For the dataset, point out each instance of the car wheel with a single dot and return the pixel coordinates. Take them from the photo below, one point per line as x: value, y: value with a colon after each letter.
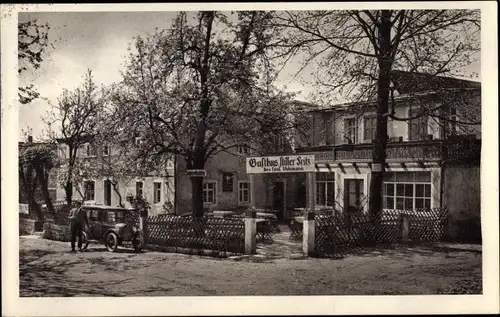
x: 111, y: 242
x: 85, y: 242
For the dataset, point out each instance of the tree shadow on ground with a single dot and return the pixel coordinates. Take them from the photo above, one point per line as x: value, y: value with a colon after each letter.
x: 400, y: 251
x: 30, y: 255
x: 119, y: 250
x: 44, y: 274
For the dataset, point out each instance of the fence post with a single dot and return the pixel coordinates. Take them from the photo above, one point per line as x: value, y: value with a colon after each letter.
x: 310, y: 191
x: 308, y: 235
x: 405, y: 228
x: 250, y: 231
x: 143, y: 225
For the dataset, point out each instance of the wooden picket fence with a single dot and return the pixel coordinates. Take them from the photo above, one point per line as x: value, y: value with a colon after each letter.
x: 221, y: 235
x: 338, y: 235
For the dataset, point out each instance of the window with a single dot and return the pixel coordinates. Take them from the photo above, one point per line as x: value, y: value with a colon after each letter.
x: 418, y: 126
x: 244, y: 192
x: 369, y: 128
x: 93, y: 214
x: 107, y: 192
x: 62, y: 152
x: 157, y: 193
x: 91, y: 150
x: 209, y: 190
x: 452, y: 129
x: 325, y: 189
x: 89, y: 190
x: 139, y: 186
x: 353, y: 195
x: 106, y: 150
x: 227, y: 182
x: 407, y: 190
x: 138, y: 140
x: 351, y: 130
x: 280, y: 143
x: 243, y: 149
x: 120, y: 216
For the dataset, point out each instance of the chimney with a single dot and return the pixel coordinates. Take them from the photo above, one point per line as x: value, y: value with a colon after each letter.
x: 30, y: 139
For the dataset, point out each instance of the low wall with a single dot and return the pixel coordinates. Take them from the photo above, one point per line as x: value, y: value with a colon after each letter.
x: 56, y: 232
x: 29, y: 226
x: 462, y: 197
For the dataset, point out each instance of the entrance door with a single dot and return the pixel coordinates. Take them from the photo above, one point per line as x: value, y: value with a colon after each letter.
x: 107, y: 193
x: 353, y: 193
x: 279, y: 199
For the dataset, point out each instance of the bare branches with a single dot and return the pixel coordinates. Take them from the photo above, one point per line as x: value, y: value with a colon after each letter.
x: 189, y: 90
x: 32, y: 43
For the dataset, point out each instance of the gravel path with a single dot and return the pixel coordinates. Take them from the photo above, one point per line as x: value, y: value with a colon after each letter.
x: 48, y: 269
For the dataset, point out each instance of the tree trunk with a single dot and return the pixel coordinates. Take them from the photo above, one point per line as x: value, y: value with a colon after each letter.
x: 32, y: 200
x: 36, y: 207
x: 44, y: 185
x: 68, y: 187
x: 197, y: 158
x: 197, y: 198
x: 381, y: 137
x: 117, y: 191
x: 28, y: 183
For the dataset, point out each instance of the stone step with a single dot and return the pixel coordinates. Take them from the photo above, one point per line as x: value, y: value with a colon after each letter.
x: 38, y: 233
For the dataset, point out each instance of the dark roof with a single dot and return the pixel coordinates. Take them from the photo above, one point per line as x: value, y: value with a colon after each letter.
x: 23, y: 144
x: 84, y: 138
x: 411, y: 82
x: 412, y: 85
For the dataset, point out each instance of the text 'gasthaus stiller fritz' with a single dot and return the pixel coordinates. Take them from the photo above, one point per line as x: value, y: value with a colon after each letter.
x: 280, y: 164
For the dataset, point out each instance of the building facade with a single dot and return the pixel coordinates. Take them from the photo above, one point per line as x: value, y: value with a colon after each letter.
x: 429, y: 158
x: 108, y: 189
x: 227, y: 186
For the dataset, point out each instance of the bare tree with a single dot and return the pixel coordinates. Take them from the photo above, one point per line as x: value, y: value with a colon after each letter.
x: 354, y: 53
x: 32, y: 43
x: 75, y: 119
x: 201, y: 87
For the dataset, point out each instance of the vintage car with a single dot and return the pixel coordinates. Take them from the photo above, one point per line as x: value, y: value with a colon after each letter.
x: 112, y: 226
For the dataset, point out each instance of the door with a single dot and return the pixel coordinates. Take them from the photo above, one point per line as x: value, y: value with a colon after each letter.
x: 107, y: 193
x: 353, y: 195
x: 279, y: 199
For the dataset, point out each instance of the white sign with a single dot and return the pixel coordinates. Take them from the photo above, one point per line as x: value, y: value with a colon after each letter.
x: 196, y: 173
x: 280, y: 164
x: 24, y: 209
x: 376, y: 167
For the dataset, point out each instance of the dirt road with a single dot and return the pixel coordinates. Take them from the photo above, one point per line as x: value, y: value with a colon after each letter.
x: 47, y: 269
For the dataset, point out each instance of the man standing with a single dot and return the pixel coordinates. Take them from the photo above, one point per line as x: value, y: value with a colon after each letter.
x: 78, y: 220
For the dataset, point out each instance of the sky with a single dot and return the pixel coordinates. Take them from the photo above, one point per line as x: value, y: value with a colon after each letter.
x: 99, y: 41
x: 90, y: 40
